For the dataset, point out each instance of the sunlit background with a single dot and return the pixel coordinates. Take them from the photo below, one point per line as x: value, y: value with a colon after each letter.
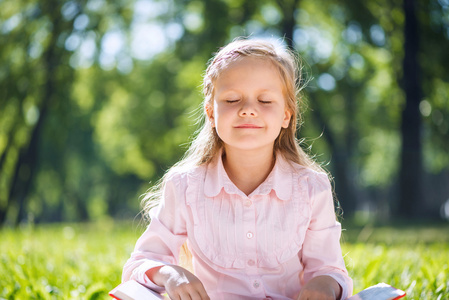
x: 98, y: 98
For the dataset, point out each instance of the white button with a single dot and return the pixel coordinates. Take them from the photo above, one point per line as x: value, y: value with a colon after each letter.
x: 251, y: 262
x: 256, y: 284
x: 249, y: 235
x: 248, y: 203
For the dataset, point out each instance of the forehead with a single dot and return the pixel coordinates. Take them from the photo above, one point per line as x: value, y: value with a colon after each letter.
x: 251, y: 62
x: 252, y: 71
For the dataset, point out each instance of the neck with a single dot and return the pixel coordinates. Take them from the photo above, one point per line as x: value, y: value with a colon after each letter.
x: 248, y: 169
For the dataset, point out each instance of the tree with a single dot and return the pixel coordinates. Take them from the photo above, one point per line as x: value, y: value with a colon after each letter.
x: 39, y: 95
x: 411, y: 170
x: 114, y: 84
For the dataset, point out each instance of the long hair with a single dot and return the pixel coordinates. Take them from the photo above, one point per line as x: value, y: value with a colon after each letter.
x: 207, y: 144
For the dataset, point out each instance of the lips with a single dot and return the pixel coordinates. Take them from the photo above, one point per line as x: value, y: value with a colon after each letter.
x: 248, y: 126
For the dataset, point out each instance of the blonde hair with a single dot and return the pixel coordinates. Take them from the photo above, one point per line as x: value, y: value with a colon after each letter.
x: 207, y: 144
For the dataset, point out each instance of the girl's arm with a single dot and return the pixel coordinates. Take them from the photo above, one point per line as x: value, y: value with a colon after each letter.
x: 321, y: 287
x: 321, y: 253
x: 178, y: 282
x: 160, y: 244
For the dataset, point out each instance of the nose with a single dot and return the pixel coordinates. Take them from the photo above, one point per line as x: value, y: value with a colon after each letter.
x: 248, y: 109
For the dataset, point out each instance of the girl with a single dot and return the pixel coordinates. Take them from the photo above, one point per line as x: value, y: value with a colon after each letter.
x: 257, y: 213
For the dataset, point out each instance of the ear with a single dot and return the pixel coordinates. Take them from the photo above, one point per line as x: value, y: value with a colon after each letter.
x: 210, y: 114
x: 287, y: 118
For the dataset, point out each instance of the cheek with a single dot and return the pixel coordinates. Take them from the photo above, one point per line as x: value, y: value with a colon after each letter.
x: 279, y: 115
x: 222, y: 112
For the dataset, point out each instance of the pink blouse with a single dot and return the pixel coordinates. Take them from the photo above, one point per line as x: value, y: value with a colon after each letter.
x: 265, y: 245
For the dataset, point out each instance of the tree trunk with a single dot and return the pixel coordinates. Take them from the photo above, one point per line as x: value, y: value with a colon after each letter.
x: 28, y: 157
x: 288, y: 21
x: 411, y: 202
x: 5, y: 207
x: 26, y: 169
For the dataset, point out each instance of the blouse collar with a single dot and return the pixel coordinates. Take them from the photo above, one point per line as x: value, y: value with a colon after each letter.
x: 280, y: 180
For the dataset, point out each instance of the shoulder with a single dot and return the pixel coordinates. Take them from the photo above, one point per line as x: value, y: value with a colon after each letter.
x: 313, y: 176
x: 315, y: 180
x: 316, y: 187
x: 184, y: 175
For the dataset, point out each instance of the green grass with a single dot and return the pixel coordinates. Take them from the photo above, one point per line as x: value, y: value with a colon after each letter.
x: 414, y: 258
x: 70, y: 261
x: 84, y: 261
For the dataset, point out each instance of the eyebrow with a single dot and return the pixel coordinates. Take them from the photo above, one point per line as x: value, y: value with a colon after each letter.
x: 237, y: 91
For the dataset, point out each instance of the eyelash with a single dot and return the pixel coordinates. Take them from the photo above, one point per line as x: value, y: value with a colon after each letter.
x: 261, y: 101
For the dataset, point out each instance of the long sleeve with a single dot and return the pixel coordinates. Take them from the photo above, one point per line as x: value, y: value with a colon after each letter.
x: 161, y: 242
x: 321, y: 253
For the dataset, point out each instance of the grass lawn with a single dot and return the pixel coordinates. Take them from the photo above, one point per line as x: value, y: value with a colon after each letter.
x: 413, y: 257
x: 84, y: 261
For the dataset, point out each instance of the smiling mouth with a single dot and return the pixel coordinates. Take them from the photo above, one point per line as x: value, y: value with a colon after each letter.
x: 248, y: 126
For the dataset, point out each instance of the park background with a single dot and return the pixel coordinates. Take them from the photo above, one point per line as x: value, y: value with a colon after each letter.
x: 98, y: 98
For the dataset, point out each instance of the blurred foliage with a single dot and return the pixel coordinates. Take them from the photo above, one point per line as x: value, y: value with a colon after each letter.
x: 99, y: 98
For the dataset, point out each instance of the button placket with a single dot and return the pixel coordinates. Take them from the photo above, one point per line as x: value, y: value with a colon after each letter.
x: 248, y: 233
x: 256, y: 284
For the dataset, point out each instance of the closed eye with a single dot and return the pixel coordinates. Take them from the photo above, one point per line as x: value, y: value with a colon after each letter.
x: 232, y: 101
x: 265, y: 102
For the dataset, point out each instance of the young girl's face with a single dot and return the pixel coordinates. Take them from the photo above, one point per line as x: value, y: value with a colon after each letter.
x: 249, y: 108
